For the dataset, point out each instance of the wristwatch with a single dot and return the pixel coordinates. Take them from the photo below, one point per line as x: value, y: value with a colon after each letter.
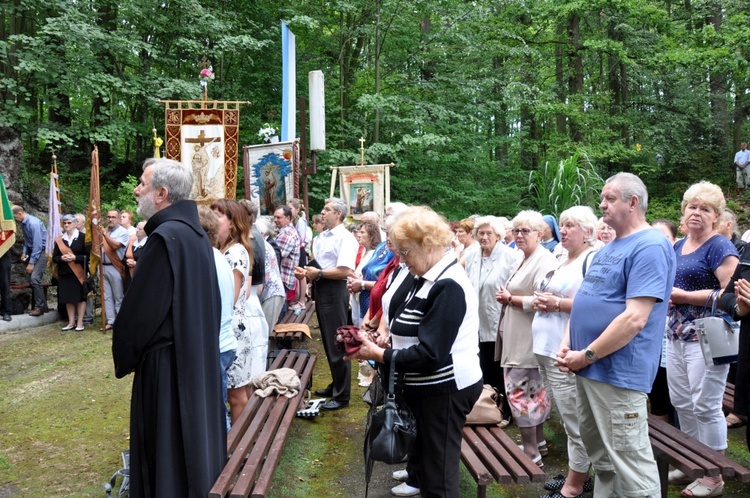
x: 590, y: 355
x: 320, y: 275
x: 557, y: 304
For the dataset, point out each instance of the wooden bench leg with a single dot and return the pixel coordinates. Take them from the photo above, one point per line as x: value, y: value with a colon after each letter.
x: 481, y: 491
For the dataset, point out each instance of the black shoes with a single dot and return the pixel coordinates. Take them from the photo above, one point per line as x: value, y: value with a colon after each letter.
x: 326, y: 393
x: 334, y: 405
x: 6, y: 317
x: 556, y: 484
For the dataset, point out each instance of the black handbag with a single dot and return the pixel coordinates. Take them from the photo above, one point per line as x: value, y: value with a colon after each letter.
x: 393, y: 429
x: 88, y: 284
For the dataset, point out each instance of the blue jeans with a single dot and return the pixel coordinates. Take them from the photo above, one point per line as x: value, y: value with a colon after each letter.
x: 226, y: 359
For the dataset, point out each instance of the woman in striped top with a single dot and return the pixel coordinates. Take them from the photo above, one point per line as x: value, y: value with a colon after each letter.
x: 435, y: 328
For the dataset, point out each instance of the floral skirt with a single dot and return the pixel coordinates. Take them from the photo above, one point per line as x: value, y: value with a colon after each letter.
x: 527, y: 396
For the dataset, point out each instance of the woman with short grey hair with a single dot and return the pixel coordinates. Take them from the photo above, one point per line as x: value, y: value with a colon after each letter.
x: 524, y: 386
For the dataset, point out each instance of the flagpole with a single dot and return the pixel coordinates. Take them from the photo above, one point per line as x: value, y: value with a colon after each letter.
x: 93, y: 221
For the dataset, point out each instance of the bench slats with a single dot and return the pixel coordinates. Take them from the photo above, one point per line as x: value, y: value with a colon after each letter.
x: 481, y: 449
x: 691, y: 448
x: 535, y: 473
x: 475, y: 466
x: 263, y: 482
x: 258, y: 436
x: 291, y: 317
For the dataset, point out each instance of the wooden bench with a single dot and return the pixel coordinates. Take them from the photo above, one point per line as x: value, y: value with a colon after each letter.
x: 292, y: 317
x: 26, y: 286
x: 491, y: 455
x: 256, y: 439
x: 673, y: 447
x: 728, y: 402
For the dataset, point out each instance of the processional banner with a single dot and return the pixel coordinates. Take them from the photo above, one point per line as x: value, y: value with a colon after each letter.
x: 203, y: 134
x: 273, y: 172
x: 7, y: 223
x: 363, y: 188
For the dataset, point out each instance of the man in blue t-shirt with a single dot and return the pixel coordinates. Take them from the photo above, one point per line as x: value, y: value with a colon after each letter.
x: 614, y: 341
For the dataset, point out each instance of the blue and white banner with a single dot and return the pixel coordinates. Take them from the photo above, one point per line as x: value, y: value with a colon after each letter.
x: 289, y: 85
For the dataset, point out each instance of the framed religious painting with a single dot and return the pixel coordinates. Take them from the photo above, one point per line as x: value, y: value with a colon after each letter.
x: 272, y: 173
x: 203, y: 136
x: 363, y: 188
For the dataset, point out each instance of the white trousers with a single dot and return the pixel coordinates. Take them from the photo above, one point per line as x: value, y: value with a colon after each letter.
x: 615, y: 432
x: 563, y: 388
x: 697, y: 391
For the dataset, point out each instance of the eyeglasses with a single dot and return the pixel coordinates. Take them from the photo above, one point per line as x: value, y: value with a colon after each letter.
x: 405, y: 253
x: 519, y: 231
x: 112, y: 217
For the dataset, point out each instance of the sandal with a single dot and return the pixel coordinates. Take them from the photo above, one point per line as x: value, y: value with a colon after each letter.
x: 107, y: 328
x: 704, y: 489
x: 733, y: 421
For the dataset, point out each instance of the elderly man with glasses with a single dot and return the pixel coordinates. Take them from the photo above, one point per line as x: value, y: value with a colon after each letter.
x: 114, y: 242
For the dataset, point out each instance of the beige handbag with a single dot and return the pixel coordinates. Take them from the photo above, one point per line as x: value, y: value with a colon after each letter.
x: 486, y: 410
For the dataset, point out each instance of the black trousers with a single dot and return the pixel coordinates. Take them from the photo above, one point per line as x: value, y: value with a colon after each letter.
x: 436, y: 455
x: 331, y: 306
x: 6, y: 306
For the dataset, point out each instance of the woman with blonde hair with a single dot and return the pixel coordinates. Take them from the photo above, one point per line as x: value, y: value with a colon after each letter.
x: 234, y: 230
x: 706, y: 261
x: 434, y: 328
x: 524, y: 385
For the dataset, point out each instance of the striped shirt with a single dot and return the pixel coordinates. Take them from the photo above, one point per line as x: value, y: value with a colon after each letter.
x: 436, y: 330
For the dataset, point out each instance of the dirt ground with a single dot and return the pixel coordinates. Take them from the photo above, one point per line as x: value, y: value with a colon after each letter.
x: 64, y: 422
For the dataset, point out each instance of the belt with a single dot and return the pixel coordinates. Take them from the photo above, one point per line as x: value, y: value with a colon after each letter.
x: 107, y: 264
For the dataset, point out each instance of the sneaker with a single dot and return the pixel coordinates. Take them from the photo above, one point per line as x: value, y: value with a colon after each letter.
x: 677, y: 476
x: 401, y: 475
x: 404, y: 489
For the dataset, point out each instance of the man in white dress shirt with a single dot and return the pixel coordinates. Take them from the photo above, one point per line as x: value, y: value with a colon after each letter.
x: 335, y: 252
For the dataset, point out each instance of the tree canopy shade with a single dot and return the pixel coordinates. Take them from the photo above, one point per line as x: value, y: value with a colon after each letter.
x: 466, y: 97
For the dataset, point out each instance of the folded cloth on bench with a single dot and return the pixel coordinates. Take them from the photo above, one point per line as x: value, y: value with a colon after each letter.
x: 282, y: 381
x: 281, y: 328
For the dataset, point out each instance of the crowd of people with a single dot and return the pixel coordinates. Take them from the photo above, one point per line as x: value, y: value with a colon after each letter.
x: 583, y: 315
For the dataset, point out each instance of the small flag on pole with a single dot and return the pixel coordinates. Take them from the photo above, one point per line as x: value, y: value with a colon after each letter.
x: 288, y: 84
x: 54, y: 226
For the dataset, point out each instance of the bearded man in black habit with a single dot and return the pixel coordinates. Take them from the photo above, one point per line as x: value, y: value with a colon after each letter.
x: 167, y: 333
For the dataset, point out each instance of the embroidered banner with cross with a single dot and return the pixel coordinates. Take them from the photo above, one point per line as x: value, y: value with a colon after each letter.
x: 203, y: 135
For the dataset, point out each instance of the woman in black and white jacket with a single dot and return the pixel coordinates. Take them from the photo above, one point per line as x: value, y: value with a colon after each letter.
x: 435, y: 328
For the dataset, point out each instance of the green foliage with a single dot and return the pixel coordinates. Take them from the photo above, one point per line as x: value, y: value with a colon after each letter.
x: 573, y: 182
x: 465, y: 98
x: 120, y: 197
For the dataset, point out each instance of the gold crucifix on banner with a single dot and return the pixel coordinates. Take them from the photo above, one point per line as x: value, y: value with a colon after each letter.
x: 199, y: 159
x: 361, y: 151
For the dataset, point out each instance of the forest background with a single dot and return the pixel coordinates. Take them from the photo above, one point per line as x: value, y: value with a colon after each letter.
x: 470, y: 99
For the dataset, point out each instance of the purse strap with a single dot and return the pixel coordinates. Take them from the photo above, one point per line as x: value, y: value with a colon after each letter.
x: 713, y: 295
x: 391, y: 390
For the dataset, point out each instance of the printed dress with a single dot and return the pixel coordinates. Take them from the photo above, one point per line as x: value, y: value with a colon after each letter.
x: 240, y: 372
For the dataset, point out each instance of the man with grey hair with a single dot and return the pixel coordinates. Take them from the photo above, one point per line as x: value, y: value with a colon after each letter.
x: 114, y: 242
x: 335, y: 252
x: 167, y: 333
x: 728, y: 228
x: 617, y: 321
